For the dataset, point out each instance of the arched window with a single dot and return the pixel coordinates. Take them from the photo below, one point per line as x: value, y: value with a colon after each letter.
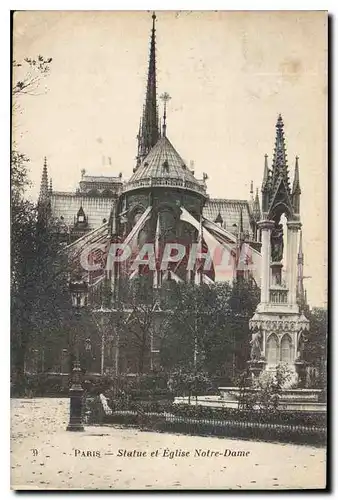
x: 272, y: 350
x: 286, y: 349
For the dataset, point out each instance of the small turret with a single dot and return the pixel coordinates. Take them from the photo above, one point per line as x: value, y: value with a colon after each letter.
x: 251, y: 191
x: 296, y: 191
x: 44, y: 192
x: 266, y: 185
x: 256, y: 207
x: 219, y: 219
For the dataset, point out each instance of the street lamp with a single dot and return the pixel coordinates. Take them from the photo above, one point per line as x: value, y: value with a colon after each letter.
x: 79, y: 294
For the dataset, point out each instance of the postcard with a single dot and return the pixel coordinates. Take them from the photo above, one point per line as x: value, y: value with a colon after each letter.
x: 169, y: 250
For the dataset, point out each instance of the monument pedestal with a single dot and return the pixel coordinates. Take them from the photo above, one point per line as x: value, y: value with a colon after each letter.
x: 300, y: 367
x: 256, y: 367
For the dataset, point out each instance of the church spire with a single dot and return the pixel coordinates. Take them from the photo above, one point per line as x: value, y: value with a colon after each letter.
x: 43, y: 197
x: 149, y: 133
x: 44, y: 205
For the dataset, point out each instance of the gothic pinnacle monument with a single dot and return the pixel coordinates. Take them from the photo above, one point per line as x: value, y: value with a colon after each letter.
x: 278, y: 325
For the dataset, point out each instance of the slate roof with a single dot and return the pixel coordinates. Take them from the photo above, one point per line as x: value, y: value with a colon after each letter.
x: 230, y: 213
x: 100, y: 178
x: 163, y: 166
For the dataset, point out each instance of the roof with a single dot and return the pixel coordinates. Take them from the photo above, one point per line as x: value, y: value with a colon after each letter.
x: 229, y: 211
x: 100, y: 178
x: 163, y: 166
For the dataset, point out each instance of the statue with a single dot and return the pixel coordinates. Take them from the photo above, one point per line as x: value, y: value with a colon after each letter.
x: 255, y: 343
x: 277, y: 244
x: 301, y: 346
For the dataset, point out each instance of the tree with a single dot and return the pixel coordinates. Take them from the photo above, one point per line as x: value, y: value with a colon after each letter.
x: 135, y: 318
x: 27, y: 77
x: 194, y: 313
x: 187, y: 380
x: 40, y: 303
x: 315, y: 349
x: 212, y: 322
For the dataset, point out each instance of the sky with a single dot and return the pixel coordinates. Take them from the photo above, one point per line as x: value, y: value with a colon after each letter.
x: 229, y: 75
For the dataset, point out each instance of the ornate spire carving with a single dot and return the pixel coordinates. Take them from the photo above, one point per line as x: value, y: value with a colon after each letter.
x: 279, y: 162
x: 149, y: 131
x: 276, y: 192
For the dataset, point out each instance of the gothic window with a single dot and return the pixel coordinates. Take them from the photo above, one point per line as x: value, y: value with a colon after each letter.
x: 168, y: 223
x: 272, y: 350
x: 286, y: 349
x: 107, y: 193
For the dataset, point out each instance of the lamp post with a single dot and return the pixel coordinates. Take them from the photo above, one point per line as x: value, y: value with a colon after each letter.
x: 79, y: 293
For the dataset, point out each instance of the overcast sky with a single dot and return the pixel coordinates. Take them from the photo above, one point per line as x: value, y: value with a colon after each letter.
x: 229, y: 75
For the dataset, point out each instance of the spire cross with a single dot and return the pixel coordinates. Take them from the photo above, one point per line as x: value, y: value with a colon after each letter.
x: 165, y: 97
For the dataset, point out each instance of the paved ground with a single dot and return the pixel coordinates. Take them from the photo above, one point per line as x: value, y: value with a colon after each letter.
x: 39, y: 424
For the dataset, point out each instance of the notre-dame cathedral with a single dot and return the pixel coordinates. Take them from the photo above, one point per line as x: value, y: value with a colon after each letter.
x: 163, y: 202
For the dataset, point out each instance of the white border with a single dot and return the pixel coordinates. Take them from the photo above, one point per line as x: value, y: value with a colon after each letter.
x: 5, y: 7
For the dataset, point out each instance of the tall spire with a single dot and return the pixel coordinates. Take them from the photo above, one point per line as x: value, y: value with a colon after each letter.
x: 279, y: 162
x: 43, y: 197
x: 149, y: 130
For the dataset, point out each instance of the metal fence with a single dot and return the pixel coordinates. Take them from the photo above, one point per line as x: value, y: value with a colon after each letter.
x: 222, y: 427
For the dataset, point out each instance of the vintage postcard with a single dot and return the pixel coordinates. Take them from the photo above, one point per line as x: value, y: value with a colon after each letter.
x: 169, y: 250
